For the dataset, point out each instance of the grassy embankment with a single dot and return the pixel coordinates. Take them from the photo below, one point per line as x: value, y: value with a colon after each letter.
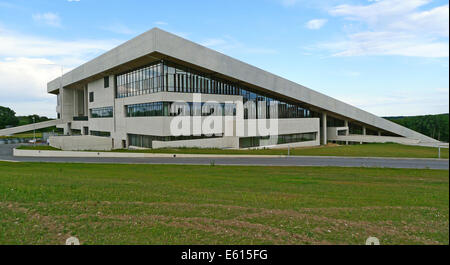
x: 365, y: 150
x: 166, y: 204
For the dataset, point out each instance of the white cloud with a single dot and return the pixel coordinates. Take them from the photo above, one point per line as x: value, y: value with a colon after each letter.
x: 27, y: 77
x: 49, y: 18
x: 387, y: 43
x: 28, y: 63
x: 24, y: 86
x: 434, y: 21
x: 393, y: 27
x: 379, y: 11
x: 402, y: 102
x: 71, y: 52
x: 316, y: 23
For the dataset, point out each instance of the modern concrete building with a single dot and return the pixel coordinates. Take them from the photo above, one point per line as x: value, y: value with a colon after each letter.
x: 134, y: 94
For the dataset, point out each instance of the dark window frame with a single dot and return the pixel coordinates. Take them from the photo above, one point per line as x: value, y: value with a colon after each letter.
x: 106, y: 82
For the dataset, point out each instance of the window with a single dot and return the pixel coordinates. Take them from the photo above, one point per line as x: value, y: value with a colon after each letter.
x: 106, y: 112
x: 247, y: 142
x: 91, y: 96
x: 106, y: 81
x: 146, y: 141
x: 155, y: 109
x: 170, y: 77
x: 334, y: 122
x: 355, y: 128
x: 101, y: 134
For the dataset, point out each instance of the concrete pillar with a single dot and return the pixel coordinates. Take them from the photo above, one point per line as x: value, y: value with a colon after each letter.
x: 324, y: 129
x: 379, y: 133
x: 347, y: 133
x: 75, y: 102
x: 364, y: 131
x: 86, y: 108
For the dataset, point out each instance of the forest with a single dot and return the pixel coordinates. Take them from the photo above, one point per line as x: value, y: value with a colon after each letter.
x: 435, y: 126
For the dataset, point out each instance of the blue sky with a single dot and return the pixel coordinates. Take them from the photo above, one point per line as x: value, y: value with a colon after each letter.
x: 389, y: 57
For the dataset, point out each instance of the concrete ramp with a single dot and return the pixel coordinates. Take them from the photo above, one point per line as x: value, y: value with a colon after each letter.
x: 30, y: 127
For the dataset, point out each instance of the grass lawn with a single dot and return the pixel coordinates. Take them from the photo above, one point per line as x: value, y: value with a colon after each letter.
x: 165, y: 204
x: 38, y: 147
x: 365, y: 150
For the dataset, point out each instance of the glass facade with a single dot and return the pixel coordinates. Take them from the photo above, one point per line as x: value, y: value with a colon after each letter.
x: 75, y: 132
x: 156, y: 109
x: 354, y: 128
x: 334, y: 122
x: 105, y: 112
x: 248, y: 142
x: 371, y: 132
x: 142, y: 81
x: 147, y: 140
x: 169, y: 77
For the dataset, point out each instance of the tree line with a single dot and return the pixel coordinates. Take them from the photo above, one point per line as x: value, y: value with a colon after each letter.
x: 434, y: 126
x: 8, y: 119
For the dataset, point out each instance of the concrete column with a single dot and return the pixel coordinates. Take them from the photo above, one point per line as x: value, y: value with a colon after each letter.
x: 324, y: 129
x: 347, y: 133
x: 75, y: 103
x: 379, y: 133
x: 86, y: 109
x: 364, y: 131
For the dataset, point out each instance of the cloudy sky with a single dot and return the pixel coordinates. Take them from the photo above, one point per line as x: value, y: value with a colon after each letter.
x: 389, y: 57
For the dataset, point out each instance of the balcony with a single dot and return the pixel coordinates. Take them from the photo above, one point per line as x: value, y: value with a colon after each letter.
x: 81, y: 118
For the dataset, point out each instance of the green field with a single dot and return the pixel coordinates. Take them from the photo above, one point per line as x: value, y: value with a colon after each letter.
x: 165, y: 204
x: 365, y: 150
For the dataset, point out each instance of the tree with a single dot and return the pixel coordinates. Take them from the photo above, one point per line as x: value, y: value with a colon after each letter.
x: 24, y: 120
x: 435, y: 126
x: 7, y: 117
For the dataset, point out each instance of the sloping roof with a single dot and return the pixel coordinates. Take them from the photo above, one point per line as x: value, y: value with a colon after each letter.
x: 159, y: 41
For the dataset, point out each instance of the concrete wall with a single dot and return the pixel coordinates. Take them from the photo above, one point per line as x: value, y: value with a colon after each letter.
x: 333, y: 136
x: 374, y: 139
x: 81, y: 143
x: 290, y: 145
x: 43, y: 153
x: 223, y: 142
x: 67, y: 102
x: 103, y: 97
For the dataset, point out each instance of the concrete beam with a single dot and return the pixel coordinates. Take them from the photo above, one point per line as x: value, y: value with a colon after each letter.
x: 30, y: 127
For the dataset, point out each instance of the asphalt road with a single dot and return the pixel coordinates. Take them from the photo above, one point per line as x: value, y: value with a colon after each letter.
x: 6, y: 155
